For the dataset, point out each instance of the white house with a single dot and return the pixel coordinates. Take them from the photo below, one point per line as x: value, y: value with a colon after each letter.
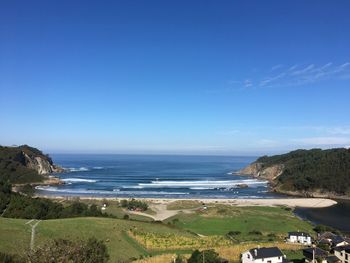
x: 343, y: 253
x: 299, y: 237
x: 263, y: 255
x: 340, y: 241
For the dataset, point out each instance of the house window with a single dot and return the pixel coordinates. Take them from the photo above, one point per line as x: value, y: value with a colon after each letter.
x: 248, y: 256
x: 269, y: 261
x: 346, y: 256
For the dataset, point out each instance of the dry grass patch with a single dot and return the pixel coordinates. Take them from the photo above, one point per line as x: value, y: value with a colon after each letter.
x: 157, y: 259
x: 165, y: 241
x: 183, y: 204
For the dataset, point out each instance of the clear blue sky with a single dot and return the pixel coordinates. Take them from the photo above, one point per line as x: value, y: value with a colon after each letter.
x: 208, y: 77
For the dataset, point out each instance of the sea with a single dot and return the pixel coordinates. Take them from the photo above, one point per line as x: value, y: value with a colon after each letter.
x: 155, y: 176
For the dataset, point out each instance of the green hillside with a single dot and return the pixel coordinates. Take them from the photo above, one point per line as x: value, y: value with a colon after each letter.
x: 127, y: 239
x: 113, y: 232
x: 13, y: 164
x: 313, y: 170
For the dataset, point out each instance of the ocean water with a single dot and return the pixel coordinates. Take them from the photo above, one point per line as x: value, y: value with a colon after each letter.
x: 161, y: 176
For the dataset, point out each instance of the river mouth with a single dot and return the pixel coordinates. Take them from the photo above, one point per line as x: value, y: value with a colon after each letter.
x: 336, y: 216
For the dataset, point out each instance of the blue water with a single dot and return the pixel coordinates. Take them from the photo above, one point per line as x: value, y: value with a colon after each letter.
x: 155, y: 176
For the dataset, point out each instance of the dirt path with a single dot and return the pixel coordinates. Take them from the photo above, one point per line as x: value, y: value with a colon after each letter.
x: 33, y: 223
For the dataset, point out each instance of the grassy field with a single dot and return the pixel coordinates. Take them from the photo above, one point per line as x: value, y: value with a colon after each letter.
x: 183, y: 204
x: 114, y: 208
x: 15, y: 235
x: 128, y: 239
x: 219, y: 220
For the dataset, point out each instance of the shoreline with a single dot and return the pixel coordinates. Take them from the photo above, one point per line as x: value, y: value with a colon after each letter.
x: 289, y: 202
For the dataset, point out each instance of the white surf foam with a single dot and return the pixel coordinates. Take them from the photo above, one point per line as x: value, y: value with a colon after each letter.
x: 105, y: 192
x: 80, y: 169
x: 204, y: 184
x: 77, y: 180
x: 202, y: 188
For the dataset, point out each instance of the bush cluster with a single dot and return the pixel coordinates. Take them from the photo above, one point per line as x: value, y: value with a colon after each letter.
x: 15, y: 205
x: 134, y: 204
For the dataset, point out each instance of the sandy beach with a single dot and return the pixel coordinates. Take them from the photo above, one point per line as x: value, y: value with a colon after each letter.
x: 290, y: 202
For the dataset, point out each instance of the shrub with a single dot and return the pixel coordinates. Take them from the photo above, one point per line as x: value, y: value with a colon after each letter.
x: 179, y: 259
x: 234, y: 233
x: 255, y: 232
x: 134, y: 204
x: 207, y: 256
x: 323, y: 228
x: 90, y: 251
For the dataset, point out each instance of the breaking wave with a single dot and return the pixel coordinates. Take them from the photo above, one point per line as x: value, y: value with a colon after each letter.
x: 78, y: 180
x: 202, y: 185
x: 105, y: 192
x: 80, y: 169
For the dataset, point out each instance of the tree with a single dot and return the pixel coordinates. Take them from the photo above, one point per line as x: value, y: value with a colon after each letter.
x: 179, y: 259
x: 207, y: 256
x: 28, y: 190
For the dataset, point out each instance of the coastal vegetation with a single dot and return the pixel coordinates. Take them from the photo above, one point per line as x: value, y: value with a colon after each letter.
x: 60, y: 250
x: 13, y: 164
x: 310, y: 172
x: 25, y: 164
x: 16, y: 205
x: 247, y: 223
x: 227, y: 229
x: 120, y: 231
x: 134, y: 204
x: 171, y: 241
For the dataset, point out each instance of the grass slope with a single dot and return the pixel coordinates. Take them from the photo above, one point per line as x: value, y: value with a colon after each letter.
x: 219, y: 220
x: 13, y: 164
x: 15, y: 235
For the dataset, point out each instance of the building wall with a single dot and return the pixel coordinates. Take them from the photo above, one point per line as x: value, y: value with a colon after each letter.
x: 300, y: 239
x: 247, y: 258
x: 343, y: 256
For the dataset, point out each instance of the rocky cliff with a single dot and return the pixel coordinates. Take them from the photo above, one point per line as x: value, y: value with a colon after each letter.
x: 314, y: 172
x: 258, y: 170
x: 42, y: 164
x: 25, y: 164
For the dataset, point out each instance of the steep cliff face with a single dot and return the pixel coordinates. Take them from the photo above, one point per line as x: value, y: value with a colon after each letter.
x: 258, y: 170
x: 25, y: 164
x: 41, y: 164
